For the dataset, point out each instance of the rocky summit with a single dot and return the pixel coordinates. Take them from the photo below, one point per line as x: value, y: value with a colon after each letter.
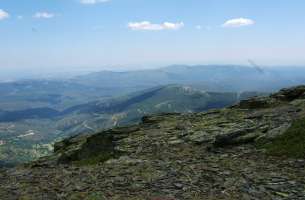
x: 252, y: 150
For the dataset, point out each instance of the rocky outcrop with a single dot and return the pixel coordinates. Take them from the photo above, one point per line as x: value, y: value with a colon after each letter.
x: 257, y: 103
x: 290, y: 94
x: 236, y: 137
x: 210, y: 155
x: 281, y: 97
x: 92, y: 149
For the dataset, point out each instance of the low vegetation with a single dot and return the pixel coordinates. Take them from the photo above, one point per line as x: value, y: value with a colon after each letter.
x: 291, y: 143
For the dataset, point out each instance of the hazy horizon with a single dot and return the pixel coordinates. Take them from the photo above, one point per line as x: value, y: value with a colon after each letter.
x: 69, y: 72
x: 137, y: 34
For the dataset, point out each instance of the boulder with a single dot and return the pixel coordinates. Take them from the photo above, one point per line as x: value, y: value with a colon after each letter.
x: 92, y: 149
x: 290, y: 94
x: 256, y: 103
x: 236, y: 137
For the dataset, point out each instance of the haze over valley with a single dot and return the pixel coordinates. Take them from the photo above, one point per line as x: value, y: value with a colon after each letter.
x: 34, y: 113
x: 152, y: 100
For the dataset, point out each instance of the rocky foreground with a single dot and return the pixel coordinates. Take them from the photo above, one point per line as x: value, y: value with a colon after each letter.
x: 220, y: 154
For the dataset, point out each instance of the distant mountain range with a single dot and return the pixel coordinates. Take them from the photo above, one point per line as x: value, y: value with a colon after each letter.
x: 28, y: 134
x: 219, y: 78
x: 62, y: 94
x: 252, y: 150
x: 35, y: 113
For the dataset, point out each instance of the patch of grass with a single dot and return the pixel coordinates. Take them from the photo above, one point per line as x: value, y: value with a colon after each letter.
x: 291, y: 143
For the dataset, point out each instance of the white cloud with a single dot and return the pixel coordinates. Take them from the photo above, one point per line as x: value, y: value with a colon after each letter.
x: 146, y: 25
x: 238, y: 22
x: 91, y: 2
x: 20, y: 17
x: 45, y: 15
x: 3, y: 14
x: 198, y: 27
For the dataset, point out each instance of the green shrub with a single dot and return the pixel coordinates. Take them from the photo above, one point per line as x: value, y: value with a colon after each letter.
x: 291, y: 143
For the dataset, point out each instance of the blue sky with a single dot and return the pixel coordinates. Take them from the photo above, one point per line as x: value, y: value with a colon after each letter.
x: 70, y: 34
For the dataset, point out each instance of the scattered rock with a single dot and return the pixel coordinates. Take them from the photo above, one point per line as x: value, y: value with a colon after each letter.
x: 241, y: 136
x: 167, y: 158
x: 289, y: 94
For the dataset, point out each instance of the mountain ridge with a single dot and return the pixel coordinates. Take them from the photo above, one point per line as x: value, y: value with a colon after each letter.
x: 48, y: 125
x: 218, y: 154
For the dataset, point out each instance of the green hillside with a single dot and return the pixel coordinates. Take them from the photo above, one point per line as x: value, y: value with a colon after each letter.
x: 252, y: 150
x: 28, y: 134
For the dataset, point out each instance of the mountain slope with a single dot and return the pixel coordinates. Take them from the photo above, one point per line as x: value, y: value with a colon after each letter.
x: 220, y: 78
x: 62, y: 94
x: 27, y: 134
x: 55, y: 94
x: 219, y: 154
x: 130, y: 108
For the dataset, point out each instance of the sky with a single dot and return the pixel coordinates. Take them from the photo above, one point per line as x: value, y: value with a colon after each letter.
x: 48, y: 35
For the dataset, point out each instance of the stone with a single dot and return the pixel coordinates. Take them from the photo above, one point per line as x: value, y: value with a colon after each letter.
x: 235, y: 137
x: 289, y: 94
x: 159, y: 159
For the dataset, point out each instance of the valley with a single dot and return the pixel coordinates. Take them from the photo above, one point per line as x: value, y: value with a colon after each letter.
x: 36, y: 113
x: 24, y: 130
x: 236, y: 152
x: 152, y: 100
